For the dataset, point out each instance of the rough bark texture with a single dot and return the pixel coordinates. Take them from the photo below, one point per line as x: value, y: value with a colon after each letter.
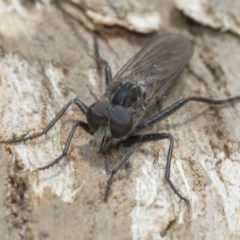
x: 218, y: 14
x: 46, y: 59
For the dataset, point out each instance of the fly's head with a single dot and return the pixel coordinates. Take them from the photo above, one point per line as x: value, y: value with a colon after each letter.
x: 109, y: 121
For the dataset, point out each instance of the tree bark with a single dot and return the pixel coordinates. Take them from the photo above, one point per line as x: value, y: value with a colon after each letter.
x: 46, y: 59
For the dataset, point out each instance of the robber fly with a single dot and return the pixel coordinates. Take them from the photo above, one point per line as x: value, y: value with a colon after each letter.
x: 115, y: 120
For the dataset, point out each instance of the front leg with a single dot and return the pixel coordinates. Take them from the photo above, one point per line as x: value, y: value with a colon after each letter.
x: 25, y: 137
x: 139, y: 139
x: 79, y: 124
x: 115, y: 168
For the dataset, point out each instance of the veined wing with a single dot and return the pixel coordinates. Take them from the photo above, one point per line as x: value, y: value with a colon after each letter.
x: 157, y: 64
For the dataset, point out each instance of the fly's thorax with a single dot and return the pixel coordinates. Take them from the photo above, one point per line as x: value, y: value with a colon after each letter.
x: 126, y: 94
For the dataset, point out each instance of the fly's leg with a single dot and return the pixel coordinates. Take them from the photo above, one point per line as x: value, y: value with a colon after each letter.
x: 101, y: 61
x: 67, y: 143
x: 103, y: 150
x: 24, y: 138
x: 139, y: 139
x: 177, y: 105
x: 115, y: 168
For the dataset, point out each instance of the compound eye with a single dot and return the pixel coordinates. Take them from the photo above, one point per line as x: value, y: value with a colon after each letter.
x: 121, y: 122
x: 96, y: 113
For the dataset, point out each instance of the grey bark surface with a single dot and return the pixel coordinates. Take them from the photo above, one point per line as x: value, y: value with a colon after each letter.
x: 46, y: 59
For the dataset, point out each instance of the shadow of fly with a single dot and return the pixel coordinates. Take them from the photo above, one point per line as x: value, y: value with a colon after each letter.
x: 122, y: 112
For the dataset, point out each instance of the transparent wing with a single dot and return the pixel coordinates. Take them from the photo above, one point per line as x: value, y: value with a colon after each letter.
x: 157, y: 64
